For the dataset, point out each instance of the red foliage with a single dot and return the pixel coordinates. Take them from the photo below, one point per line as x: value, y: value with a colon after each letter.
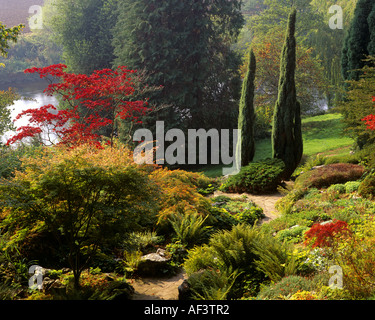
x: 370, y: 119
x: 101, y: 98
x: 322, y: 235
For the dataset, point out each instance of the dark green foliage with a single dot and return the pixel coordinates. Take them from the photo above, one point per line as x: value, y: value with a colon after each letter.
x: 371, y: 25
x: 221, y: 219
x: 184, y: 46
x: 258, y: 177
x: 359, y: 40
x: 287, y: 143
x: 367, y: 187
x: 246, y: 118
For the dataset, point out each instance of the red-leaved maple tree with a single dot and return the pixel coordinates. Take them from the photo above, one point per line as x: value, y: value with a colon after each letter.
x: 94, y: 103
x: 323, y: 235
x: 370, y: 119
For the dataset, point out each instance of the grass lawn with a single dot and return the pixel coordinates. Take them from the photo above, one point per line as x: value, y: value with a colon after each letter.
x: 321, y: 135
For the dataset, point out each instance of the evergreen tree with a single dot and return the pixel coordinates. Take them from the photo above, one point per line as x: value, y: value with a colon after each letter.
x: 371, y: 24
x: 246, y: 118
x: 356, y: 46
x: 287, y: 143
x: 185, y: 47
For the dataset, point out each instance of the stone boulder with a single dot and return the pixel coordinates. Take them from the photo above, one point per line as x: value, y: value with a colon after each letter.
x: 154, y: 264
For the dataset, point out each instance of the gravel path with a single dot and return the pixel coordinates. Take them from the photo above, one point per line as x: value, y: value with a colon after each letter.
x: 157, y: 288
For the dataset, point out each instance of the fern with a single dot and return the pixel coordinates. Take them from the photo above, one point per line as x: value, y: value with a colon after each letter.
x: 212, y: 285
x: 189, y: 228
x: 274, y: 258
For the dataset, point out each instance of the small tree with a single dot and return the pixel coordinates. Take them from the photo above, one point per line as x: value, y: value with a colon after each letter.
x: 85, y: 197
x: 246, y: 118
x: 287, y: 143
x: 93, y: 106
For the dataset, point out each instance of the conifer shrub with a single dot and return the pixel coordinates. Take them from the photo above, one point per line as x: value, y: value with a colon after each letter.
x: 367, y: 187
x: 257, y: 178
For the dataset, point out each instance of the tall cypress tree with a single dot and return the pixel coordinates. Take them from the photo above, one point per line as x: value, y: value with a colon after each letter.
x: 246, y: 118
x: 287, y: 143
x: 357, y: 41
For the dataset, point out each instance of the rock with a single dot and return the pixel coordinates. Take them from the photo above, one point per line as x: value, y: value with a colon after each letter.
x: 161, y: 252
x: 153, y: 264
x: 184, y: 291
x: 326, y: 222
x: 318, y: 167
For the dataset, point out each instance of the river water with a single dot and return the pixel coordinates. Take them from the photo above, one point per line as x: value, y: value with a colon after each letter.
x: 29, y: 90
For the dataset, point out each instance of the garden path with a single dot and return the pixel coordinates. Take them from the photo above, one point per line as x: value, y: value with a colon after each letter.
x: 157, y: 288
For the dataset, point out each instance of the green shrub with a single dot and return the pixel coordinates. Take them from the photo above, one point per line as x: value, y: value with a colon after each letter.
x: 177, y: 252
x: 367, y: 187
x: 294, y: 234
x: 250, y: 216
x: 325, y: 176
x: 352, y: 186
x: 221, y: 219
x: 339, y: 188
x: 258, y: 177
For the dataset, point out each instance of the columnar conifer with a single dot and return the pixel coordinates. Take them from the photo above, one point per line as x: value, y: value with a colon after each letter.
x: 287, y: 143
x: 246, y: 118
